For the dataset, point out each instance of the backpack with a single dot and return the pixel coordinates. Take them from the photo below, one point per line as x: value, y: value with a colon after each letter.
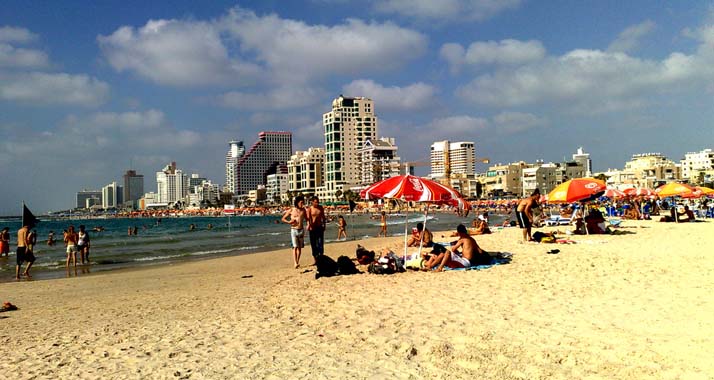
x: 346, y: 266
x: 326, y: 266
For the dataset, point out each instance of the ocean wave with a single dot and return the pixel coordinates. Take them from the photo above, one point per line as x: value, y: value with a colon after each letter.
x: 153, y: 258
x: 201, y: 253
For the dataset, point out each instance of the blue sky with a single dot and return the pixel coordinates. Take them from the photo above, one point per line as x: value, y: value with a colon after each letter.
x: 89, y: 88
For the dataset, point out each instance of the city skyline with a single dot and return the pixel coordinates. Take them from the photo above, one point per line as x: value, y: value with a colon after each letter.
x: 87, y: 91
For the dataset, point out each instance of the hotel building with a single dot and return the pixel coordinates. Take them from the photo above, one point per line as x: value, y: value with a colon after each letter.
x: 697, y: 167
x: 305, y: 170
x: 347, y: 127
x: 133, y: 187
x: 379, y: 160
x: 88, y: 198
x: 449, y: 158
x: 265, y: 157
x: 171, y: 184
x: 112, y: 196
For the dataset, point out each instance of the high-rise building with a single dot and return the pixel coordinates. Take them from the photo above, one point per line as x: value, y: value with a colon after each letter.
x: 449, y: 158
x: 112, y: 195
x: 379, y: 160
x: 584, y: 160
x: 277, y: 187
x: 347, y: 127
x: 696, y: 164
x: 269, y: 155
x: 236, y: 151
x: 133, y: 187
x: 305, y: 170
x: 171, y: 184
x: 84, y: 195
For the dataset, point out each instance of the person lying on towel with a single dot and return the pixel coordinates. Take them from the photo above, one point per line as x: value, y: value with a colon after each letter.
x: 470, y: 253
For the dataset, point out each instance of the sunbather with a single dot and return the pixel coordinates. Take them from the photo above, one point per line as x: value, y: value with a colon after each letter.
x: 470, y: 255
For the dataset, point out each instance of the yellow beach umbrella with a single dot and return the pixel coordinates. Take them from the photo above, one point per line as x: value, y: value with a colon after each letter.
x: 674, y: 189
x: 705, y: 190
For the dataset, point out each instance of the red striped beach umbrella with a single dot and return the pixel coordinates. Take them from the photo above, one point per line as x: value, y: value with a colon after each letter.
x: 414, y: 189
x: 642, y: 191
x: 613, y: 193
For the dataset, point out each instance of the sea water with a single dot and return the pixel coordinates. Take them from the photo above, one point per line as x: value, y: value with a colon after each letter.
x: 170, y: 240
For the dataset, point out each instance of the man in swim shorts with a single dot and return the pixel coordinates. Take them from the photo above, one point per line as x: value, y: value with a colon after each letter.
x: 316, y: 223
x: 524, y: 214
x: 23, y: 254
x: 296, y: 217
x: 471, y: 254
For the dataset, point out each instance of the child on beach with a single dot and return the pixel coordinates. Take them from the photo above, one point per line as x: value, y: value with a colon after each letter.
x: 341, y: 227
x: 383, y: 225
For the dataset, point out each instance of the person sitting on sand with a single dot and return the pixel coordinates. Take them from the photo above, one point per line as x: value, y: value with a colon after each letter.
x: 421, y: 235
x: 470, y: 255
x: 480, y: 225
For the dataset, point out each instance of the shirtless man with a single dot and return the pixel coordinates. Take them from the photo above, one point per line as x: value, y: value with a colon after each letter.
x: 524, y: 214
x: 471, y: 254
x: 23, y: 254
x: 316, y: 227
x: 296, y: 217
x: 422, y: 235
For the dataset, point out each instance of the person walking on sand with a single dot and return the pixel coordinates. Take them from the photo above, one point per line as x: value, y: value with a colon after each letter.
x: 524, y: 214
x: 341, y: 227
x: 295, y: 217
x: 5, y: 242
x: 70, y: 239
x: 83, y: 244
x: 316, y: 227
x: 23, y: 253
x: 382, y: 225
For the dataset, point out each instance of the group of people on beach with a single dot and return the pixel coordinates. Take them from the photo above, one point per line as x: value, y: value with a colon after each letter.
x: 76, y: 242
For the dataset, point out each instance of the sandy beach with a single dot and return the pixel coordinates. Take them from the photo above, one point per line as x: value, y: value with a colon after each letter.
x: 630, y: 306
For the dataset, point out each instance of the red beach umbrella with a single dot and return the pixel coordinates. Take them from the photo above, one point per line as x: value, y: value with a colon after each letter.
x: 575, y: 190
x: 613, y: 193
x: 413, y: 189
x: 640, y: 191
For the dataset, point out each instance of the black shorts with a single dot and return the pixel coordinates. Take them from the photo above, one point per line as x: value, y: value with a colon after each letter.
x: 24, y: 256
x: 523, y: 220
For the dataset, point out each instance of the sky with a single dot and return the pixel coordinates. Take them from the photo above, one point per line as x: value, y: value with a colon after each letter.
x: 91, y: 89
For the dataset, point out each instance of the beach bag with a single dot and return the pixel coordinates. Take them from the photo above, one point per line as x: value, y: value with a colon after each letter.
x: 364, y: 256
x: 326, y: 266
x: 380, y: 268
x: 345, y: 266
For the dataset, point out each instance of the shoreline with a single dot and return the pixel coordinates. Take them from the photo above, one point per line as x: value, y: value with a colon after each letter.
x: 635, y: 305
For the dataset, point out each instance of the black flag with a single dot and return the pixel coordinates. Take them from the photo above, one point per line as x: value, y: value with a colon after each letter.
x: 352, y: 205
x: 28, y: 219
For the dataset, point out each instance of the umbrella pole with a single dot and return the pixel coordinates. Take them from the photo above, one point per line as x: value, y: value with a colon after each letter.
x: 406, y: 224
x: 423, y: 231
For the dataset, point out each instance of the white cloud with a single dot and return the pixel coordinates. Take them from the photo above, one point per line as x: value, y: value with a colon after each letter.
x: 412, y: 97
x: 459, y: 125
x: 49, y: 88
x: 630, y: 37
x: 280, y: 98
x: 505, y: 52
x: 447, y: 10
x: 296, y: 51
x: 15, y: 34
x: 176, y: 53
x: 517, y: 121
x: 589, y: 80
x: 244, y: 48
x: 11, y: 56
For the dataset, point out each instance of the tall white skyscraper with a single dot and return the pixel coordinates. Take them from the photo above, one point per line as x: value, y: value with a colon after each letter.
x: 171, y: 184
x: 112, y: 195
x: 449, y: 158
x: 236, y: 150
x: 347, y: 127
